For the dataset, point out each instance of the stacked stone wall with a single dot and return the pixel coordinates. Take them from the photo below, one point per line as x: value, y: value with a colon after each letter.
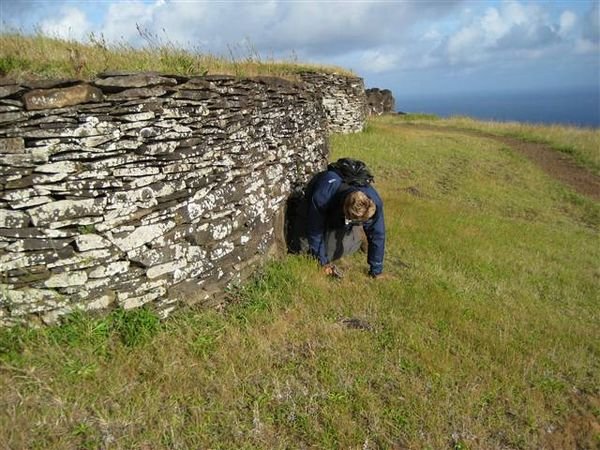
x: 144, y: 188
x: 380, y: 101
x: 343, y: 98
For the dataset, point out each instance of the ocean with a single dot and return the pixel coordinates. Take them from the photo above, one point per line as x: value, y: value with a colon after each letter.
x: 576, y: 106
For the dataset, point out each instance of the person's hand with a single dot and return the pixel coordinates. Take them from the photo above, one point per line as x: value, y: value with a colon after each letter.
x: 328, y: 269
x: 332, y: 271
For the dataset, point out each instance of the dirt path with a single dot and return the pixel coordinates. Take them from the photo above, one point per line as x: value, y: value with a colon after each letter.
x: 556, y: 164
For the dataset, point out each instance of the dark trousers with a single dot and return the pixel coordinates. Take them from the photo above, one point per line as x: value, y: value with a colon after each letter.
x: 342, y: 242
x: 338, y: 241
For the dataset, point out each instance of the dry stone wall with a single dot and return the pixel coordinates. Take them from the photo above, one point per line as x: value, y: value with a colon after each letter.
x: 144, y: 188
x: 380, y: 101
x: 343, y: 99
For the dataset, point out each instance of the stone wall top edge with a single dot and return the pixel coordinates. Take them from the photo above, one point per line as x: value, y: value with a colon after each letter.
x: 49, y: 83
x: 309, y: 73
x: 53, y: 94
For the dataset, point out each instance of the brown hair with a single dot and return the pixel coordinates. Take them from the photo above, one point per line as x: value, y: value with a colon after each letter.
x: 357, y: 206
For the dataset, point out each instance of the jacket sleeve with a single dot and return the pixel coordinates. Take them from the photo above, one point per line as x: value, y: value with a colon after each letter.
x: 375, y: 231
x: 323, y: 192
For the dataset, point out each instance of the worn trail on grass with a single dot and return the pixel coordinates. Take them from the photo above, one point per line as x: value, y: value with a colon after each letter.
x: 556, y: 164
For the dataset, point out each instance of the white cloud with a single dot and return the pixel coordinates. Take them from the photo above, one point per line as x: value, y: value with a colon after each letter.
x: 123, y: 18
x: 312, y: 29
x: 521, y: 30
x: 568, y: 19
x: 432, y: 35
x: 590, y: 35
x: 461, y: 44
x: 592, y: 23
x: 493, y: 24
x: 378, y: 61
x: 72, y: 23
x: 585, y: 46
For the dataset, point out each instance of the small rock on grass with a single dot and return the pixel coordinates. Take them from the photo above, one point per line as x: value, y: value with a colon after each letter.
x: 356, y: 323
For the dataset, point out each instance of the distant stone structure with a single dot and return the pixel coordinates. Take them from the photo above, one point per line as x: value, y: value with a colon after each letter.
x: 380, y: 101
x: 343, y: 99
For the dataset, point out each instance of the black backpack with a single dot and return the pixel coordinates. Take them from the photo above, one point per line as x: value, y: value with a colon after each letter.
x: 352, y: 171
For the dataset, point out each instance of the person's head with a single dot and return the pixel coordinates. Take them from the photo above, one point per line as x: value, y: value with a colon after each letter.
x: 358, y: 207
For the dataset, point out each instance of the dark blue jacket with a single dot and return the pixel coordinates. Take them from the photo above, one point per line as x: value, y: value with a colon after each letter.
x: 325, y: 211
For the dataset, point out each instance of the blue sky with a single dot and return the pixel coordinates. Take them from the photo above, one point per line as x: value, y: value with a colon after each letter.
x: 411, y: 47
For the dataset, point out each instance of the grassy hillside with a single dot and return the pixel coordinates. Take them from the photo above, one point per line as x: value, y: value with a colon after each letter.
x: 581, y: 143
x: 483, y: 336
x: 24, y: 57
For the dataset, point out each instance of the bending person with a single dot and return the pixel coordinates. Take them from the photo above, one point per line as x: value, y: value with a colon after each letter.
x: 339, y: 218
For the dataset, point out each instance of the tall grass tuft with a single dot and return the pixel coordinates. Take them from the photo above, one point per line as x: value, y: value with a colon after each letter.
x: 40, y: 56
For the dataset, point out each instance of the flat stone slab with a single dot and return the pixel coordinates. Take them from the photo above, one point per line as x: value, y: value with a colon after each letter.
x: 135, y: 81
x: 13, y: 219
x: 58, y: 98
x: 49, y: 84
x: 135, y: 93
x: 110, y: 270
x: 28, y: 295
x: 12, y: 145
x: 6, y: 91
x: 62, y: 167
x: 26, y: 245
x: 87, y: 242
x: 66, y: 279
x: 142, y: 235
x: 13, y: 116
x: 65, y: 210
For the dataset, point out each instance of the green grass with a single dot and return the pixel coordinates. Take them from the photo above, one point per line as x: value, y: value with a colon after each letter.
x: 488, y: 339
x: 580, y: 142
x: 36, y: 56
